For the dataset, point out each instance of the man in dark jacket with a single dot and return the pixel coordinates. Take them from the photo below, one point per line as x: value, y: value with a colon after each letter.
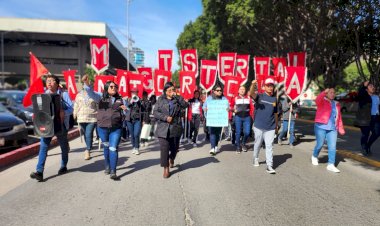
x: 287, y: 109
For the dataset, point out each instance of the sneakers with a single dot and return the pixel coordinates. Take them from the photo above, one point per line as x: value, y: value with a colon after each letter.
x: 142, y: 144
x: 213, y: 151
x: 244, y: 148
x: 87, y: 155
x: 314, y: 160
x: 113, y: 175
x: 332, y: 168
x: 270, y: 170
x: 37, y: 175
x: 62, y: 170
x: 107, y: 171
x: 216, y: 150
x: 195, y: 144
x: 135, y: 151
x: 256, y: 162
x: 279, y: 141
x: 238, y: 151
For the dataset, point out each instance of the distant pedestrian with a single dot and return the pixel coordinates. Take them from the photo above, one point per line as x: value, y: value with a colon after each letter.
x: 195, y: 117
x: 66, y: 110
x: 109, y: 119
x: 265, y: 121
x: 134, y: 119
x: 285, y: 104
x: 146, y: 109
x: 367, y: 117
x: 328, y: 123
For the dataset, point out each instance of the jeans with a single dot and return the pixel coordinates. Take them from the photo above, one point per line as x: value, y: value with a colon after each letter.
x: 240, y: 122
x: 330, y: 136
x: 215, y: 136
x: 374, y: 128
x: 268, y: 137
x: 44, y: 146
x: 285, y: 131
x: 110, y: 138
x: 134, y: 129
x: 194, y: 127
x: 88, y: 131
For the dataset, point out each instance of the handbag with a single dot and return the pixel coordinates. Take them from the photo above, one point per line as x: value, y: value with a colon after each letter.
x: 145, y: 131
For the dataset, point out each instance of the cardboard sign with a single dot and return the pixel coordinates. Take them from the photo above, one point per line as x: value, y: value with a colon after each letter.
x: 208, y: 74
x: 189, y: 60
x: 226, y: 65
x: 159, y: 79
x: 99, y: 54
x: 188, y: 86
x: 217, y: 114
x: 279, y: 68
x: 165, y: 59
x: 69, y: 77
x: 295, y: 82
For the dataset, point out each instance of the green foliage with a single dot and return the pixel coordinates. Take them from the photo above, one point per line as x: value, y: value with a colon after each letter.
x: 90, y: 72
x: 175, y: 78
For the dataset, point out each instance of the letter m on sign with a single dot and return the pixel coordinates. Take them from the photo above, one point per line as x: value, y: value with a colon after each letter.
x: 99, y: 54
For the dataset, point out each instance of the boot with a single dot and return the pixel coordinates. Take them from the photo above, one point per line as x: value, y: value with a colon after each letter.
x: 166, y: 172
x: 171, y: 163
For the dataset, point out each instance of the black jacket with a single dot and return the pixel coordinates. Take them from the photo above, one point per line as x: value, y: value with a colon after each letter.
x: 110, y: 115
x: 162, y: 112
x: 363, y: 116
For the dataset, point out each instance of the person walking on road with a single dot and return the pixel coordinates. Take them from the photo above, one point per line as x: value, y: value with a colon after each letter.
x: 215, y: 132
x: 85, y: 112
x: 110, y: 119
x: 52, y: 85
x: 243, y: 109
x: 328, y: 123
x: 133, y: 119
x: 167, y: 113
x: 367, y: 117
x: 285, y: 104
x: 146, y: 109
x: 195, y: 117
x: 265, y: 121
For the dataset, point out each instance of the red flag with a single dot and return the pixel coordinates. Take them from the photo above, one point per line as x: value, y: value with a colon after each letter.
x: 37, y: 70
x: 165, y: 59
x: 122, y: 81
x: 297, y: 59
x: 70, y: 83
x: 100, y: 80
x: 295, y: 82
x: 159, y: 79
x: 99, y: 54
x: 208, y: 74
x: 189, y: 60
x: 187, y: 81
x: 136, y: 81
x: 148, y: 82
x: 279, y: 68
x: 261, y: 65
x: 226, y: 65
x: 242, y: 67
x: 231, y: 86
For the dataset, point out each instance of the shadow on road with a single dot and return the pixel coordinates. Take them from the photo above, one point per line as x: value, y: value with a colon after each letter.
x: 196, y: 163
x: 278, y: 160
x: 139, y: 165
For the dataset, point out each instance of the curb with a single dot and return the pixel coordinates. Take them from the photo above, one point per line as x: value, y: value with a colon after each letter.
x: 350, y: 154
x: 19, y: 154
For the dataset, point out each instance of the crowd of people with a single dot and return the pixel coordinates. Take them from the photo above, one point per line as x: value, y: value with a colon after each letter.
x: 252, y: 113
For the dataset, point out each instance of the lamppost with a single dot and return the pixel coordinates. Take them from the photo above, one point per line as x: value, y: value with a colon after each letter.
x: 128, y: 45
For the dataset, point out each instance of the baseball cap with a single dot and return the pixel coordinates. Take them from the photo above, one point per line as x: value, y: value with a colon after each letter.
x: 269, y: 81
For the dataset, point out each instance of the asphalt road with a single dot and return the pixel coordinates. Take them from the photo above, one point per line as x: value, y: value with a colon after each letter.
x: 203, y: 190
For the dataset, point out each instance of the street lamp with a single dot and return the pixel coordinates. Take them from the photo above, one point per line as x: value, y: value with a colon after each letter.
x: 128, y: 46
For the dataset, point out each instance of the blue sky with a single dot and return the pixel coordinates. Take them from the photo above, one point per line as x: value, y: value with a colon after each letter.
x: 154, y: 24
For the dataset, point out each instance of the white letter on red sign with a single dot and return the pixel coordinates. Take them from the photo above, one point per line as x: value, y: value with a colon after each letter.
x: 294, y: 84
x: 191, y: 62
x: 225, y: 66
x: 123, y: 84
x: 208, y: 70
x: 166, y: 62
x: 187, y: 81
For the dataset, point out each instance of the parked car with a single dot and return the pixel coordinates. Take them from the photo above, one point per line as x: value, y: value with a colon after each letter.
x: 348, y: 101
x: 13, y: 132
x: 12, y: 100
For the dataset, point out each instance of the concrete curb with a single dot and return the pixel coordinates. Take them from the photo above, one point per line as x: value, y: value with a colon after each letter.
x: 350, y: 154
x: 19, y: 154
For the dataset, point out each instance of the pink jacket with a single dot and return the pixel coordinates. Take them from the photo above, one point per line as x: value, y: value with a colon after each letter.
x: 324, y: 111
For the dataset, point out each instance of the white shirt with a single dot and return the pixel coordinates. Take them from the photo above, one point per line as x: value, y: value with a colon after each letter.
x: 196, y: 107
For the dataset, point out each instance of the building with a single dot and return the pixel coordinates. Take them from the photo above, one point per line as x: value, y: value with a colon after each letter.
x: 137, y: 57
x: 58, y: 44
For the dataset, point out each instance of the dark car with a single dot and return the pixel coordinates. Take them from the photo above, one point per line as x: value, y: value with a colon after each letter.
x: 12, y: 100
x: 13, y: 132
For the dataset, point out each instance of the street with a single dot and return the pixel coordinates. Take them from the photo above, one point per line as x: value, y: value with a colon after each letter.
x: 203, y: 190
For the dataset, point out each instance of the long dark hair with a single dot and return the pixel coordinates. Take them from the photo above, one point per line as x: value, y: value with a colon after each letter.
x: 105, y: 91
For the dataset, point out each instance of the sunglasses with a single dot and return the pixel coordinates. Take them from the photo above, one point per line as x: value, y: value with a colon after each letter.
x: 218, y: 90
x: 113, y: 87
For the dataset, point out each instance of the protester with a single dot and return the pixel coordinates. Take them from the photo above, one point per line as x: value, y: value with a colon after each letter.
x: 109, y: 119
x: 215, y: 132
x: 153, y: 101
x: 367, y: 117
x: 167, y: 113
x: 146, y: 109
x: 52, y: 87
x: 328, y: 122
x: 195, y: 116
x: 285, y: 104
x: 85, y: 112
x: 265, y: 121
x: 133, y: 119
x: 243, y: 110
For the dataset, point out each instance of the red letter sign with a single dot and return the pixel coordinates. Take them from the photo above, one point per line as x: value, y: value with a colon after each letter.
x: 262, y: 65
x: 70, y: 83
x: 208, y: 74
x: 189, y: 60
x: 226, y: 65
x: 136, y: 81
x: 100, y: 80
x: 148, y: 82
x: 242, y: 68
x: 231, y: 86
x: 295, y: 82
x: 297, y: 59
x: 99, y: 54
x: 279, y: 69
x: 165, y: 58
x: 122, y: 81
x: 187, y: 81
x: 159, y: 79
